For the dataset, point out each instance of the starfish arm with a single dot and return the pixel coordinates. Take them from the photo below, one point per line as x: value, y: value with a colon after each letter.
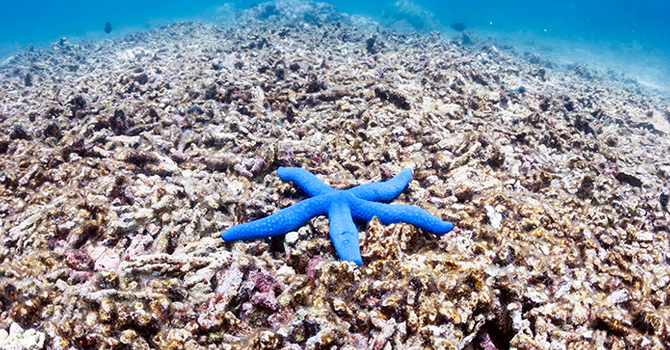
x: 305, y: 180
x: 390, y: 214
x: 344, y: 233
x: 280, y: 222
x: 383, y: 191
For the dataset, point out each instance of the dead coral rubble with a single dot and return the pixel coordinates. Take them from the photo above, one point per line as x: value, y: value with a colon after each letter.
x: 121, y: 161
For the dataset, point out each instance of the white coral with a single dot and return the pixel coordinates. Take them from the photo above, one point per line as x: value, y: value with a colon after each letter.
x: 18, y: 339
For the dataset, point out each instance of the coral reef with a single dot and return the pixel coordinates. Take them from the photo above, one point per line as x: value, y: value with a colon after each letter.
x: 407, y: 16
x: 122, y: 160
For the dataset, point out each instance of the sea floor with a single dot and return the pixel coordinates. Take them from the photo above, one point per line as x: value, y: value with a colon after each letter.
x: 647, y: 65
x: 122, y: 161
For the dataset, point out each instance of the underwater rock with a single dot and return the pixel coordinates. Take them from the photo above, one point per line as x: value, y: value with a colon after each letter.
x: 458, y: 26
x: 28, y: 80
x: 18, y: 338
x: 663, y: 199
x: 372, y: 45
x: 393, y: 97
x: 405, y: 15
x: 628, y: 178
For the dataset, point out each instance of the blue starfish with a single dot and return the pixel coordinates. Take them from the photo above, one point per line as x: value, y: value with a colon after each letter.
x: 341, y: 206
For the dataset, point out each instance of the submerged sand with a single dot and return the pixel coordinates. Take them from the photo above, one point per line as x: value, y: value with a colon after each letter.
x: 122, y: 161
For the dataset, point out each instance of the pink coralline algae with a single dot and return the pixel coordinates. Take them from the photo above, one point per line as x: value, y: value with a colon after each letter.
x: 266, y: 299
x: 108, y: 260
x: 266, y: 286
x: 288, y: 157
x: 179, y: 120
x: 78, y: 260
x: 311, y: 267
x: 484, y: 342
x: 610, y: 169
x: 264, y: 282
x: 250, y: 167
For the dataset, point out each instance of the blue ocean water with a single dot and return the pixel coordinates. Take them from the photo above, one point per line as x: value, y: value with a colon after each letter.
x: 627, y: 35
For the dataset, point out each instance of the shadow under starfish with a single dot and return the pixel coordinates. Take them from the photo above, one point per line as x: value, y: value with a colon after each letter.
x: 342, y: 206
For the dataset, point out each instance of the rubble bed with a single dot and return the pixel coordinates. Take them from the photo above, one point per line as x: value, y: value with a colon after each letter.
x: 122, y: 161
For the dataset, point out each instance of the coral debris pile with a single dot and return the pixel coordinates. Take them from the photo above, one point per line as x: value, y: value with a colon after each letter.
x: 122, y: 161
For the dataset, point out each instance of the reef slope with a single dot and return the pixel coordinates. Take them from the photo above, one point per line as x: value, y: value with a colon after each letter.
x: 121, y: 162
